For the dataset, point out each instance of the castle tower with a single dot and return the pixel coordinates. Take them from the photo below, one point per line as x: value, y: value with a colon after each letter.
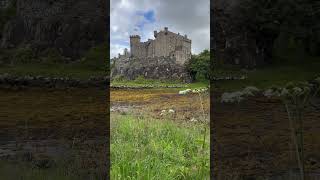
x: 134, y: 45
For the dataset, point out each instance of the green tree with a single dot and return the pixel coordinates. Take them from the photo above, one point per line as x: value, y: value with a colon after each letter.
x: 270, y: 20
x: 199, y: 66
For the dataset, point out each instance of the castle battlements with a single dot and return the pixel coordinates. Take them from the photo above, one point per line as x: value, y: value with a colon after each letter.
x: 167, y: 52
x: 165, y: 44
x: 135, y: 36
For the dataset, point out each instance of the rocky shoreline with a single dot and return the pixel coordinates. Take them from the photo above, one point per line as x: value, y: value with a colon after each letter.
x: 10, y: 81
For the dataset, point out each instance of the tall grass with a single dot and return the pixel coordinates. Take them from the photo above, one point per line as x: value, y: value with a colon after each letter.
x: 143, y: 148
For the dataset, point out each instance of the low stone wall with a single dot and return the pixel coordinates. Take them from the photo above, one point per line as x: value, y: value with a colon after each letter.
x: 10, y: 81
x: 162, y: 68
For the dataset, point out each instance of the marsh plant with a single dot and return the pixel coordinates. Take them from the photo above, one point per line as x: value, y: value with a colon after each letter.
x: 202, y: 93
x: 296, y: 97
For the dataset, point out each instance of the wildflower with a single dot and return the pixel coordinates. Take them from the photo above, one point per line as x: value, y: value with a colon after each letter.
x: 193, y: 120
x: 297, y: 90
x: 269, y: 93
x: 317, y: 80
x: 284, y: 92
x: 250, y: 91
x: 183, y: 92
x: 171, y: 111
x: 232, y: 97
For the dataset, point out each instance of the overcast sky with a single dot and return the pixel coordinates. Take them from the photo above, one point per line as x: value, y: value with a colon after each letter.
x: 142, y: 17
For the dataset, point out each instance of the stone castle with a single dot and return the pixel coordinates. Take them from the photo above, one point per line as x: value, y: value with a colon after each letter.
x: 168, y: 49
x: 165, y: 44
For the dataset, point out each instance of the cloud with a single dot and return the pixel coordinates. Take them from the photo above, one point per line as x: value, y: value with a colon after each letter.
x: 144, y: 16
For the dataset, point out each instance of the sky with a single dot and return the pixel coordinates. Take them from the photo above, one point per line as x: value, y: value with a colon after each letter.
x: 142, y: 17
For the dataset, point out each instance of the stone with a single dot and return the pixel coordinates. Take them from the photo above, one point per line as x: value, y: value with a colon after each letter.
x: 162, y: 58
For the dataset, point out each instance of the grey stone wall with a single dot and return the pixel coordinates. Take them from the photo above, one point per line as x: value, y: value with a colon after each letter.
x: 166, y: 44
x: 163, y: 68
x: 161, y: 58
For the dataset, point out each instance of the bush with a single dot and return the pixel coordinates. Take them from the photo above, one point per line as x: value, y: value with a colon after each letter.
x: 199, y: 66
x: 23, y: 55
x: 119, y: 78
x: 96, y: 58
x: 52, y: 55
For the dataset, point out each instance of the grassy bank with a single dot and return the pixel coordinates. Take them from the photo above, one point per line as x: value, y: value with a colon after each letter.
x: 273, y: 75
x: 141, y: 82
x: 72, y: 70
x: 26, y: 61
x: 142, y: 148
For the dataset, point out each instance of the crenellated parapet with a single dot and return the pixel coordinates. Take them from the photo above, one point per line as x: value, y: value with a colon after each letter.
x: 161, y: 58
x: 165, y: 44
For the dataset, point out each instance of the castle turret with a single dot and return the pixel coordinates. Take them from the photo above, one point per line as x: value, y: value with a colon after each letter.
x: 125, y: 52
x: 134, y: 44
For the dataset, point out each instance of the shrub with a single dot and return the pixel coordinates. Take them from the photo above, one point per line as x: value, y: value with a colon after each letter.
x: 52, y: 55
x: 118, y: 78
x: 199, y: 66
x: 23, y: 55
x: 96, y: 58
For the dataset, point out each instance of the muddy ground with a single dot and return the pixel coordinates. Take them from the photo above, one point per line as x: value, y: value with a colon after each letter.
x: 252, y: 139
x: 42, y: 126
x: 153, y: 101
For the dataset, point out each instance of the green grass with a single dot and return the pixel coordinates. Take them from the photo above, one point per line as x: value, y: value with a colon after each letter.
x: 142, y: 148
x: 24, y: 61
x: 74, y: 70
x: 158, y: 83
x: 275, y: 75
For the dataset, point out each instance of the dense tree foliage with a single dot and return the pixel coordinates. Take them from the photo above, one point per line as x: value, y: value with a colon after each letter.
x: 199, y: 66
x: 283, y: 26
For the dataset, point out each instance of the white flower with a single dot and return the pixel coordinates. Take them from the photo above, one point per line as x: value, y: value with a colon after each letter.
x: 268, y: 93
x: 317, y: 80
x: 171, y: 111
x: 232, y: 97
x: 183, y: 92
x: 297, y: 90
x: 250, y: 90
x: 284, y: 92
x: 193, y: 120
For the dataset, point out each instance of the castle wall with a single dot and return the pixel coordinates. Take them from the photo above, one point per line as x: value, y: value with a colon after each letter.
x: 165, y: 44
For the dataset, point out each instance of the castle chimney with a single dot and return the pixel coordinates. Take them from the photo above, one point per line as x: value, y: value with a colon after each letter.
x: 185, y: 36
x: 155, y: 33
x: 166, y: 29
